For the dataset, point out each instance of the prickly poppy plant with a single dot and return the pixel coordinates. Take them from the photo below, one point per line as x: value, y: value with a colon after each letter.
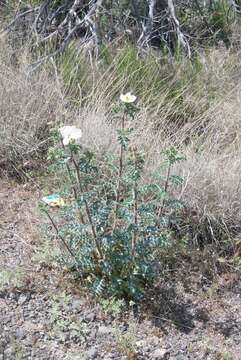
x: 111, y: 224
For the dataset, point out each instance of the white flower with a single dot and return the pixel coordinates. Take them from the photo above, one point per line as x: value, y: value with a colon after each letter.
x: 70, y: 133
x: 128, y: 98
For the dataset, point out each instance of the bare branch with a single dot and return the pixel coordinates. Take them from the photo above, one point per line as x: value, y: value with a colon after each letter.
x: 181, y: 37
x: 147, y: 29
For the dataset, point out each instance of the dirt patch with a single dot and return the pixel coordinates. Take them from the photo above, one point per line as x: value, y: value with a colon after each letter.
x: 44, y: 316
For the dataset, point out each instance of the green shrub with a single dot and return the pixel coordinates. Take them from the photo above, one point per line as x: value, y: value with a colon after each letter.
x: 11, y: 278
x: 112, y: 223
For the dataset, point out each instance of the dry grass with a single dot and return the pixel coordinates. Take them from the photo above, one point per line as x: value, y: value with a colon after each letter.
x: 209, y: 138
x: 27, y: 105
x: 216, y: 177
x: 212, y: 170
x: 210, y: 141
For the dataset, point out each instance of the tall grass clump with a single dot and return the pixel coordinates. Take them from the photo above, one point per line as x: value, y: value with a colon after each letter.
x: 28, y: 106
x: 175, y: 88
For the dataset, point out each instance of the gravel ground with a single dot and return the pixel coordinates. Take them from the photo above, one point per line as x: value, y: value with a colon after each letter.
x: 44, y: 316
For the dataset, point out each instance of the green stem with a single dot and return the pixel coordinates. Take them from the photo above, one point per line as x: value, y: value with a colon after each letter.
x: 87, y: 209
x: 134, y: 237
x: 120, y: 171
x: 161, y: 209
x: 59, y: 236
x: 81, y: 217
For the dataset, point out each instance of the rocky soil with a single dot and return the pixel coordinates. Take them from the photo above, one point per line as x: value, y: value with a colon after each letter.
x: 44, y: 315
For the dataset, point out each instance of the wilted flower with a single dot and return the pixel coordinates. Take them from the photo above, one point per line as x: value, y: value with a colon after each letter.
x: 53, y: 200
x: 128, y: 98
x: 70, y: 133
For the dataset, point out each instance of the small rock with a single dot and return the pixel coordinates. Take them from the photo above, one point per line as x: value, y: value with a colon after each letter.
x: 13, y: 296
x: 90, y: 317
x: 154, y: 340
x: 104, y: 330
x: 181, y: 357
x: 124, y: 327
x: 23, y: 298
x: 76, y: 304
x: 93, y: 333
x: 92, y: 353
x: 20, y: 334
x: 161, y: 354
x: 140, y: 343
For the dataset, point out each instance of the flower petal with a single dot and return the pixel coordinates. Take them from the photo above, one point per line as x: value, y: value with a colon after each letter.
x: 70, y: 133
x: 128, y: 98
